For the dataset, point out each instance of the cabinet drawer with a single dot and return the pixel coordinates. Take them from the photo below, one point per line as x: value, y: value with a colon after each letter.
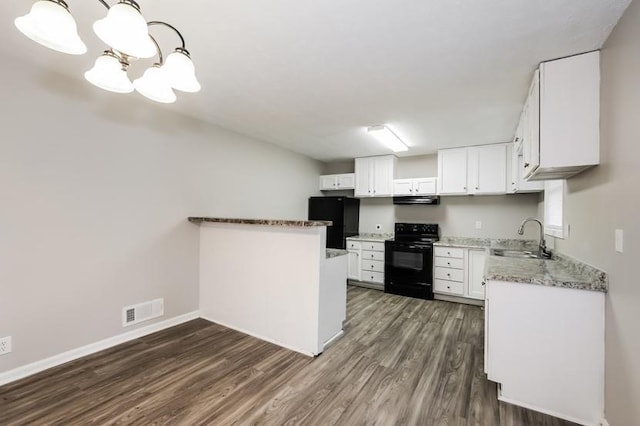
x: 449, y: 274
x: 372, y: 265
x: 449, y: 287
x: 372, y: 246
x: 372, y: 255
x: 353, y: 245
x: 449, y: 262
x: 449, y: 252
x: 373, y: 277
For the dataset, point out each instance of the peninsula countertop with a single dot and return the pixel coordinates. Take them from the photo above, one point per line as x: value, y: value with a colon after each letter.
x: 263, y: 222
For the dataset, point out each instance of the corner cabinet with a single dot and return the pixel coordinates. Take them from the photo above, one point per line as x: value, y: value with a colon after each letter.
x: 459, y: 272
x: 561, y: 118
x: 475, y: 170
x: 354, y: 264
x: 374, y: 176
x: 339, y: 182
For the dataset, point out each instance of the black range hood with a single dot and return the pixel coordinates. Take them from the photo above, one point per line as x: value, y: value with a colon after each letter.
x: 429, y: 200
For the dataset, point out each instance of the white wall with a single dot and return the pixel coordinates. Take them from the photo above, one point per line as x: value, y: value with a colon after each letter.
x: 95, y: 191
x: 607, y: 198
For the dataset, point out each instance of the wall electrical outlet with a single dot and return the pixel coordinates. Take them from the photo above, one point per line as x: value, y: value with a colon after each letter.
x: 5, y: 345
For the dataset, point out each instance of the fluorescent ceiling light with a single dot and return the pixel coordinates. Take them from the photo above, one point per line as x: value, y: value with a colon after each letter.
x: 388, y: 138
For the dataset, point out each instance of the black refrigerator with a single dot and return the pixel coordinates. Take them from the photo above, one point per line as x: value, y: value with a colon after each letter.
x: 344, y: 212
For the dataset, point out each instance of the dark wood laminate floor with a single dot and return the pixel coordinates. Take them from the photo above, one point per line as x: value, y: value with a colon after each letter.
x: 401, y: 361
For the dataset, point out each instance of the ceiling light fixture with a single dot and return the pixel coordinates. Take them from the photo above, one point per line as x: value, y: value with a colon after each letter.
x: 126, y: 32
x: 384, y: 135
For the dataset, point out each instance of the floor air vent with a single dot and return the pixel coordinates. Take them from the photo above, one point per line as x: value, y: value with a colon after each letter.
x: 142, y: 312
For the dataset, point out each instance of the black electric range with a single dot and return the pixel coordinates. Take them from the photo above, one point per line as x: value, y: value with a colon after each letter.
x: 408, y: 266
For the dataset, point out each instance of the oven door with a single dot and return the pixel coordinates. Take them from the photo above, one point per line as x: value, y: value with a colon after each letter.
x: 408, y: 267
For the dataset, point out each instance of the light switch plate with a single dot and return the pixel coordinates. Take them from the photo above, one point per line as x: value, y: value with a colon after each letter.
x: 478, y: 224
x: 619, y: 240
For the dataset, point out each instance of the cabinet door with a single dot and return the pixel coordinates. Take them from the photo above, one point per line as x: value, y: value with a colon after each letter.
x: 402, y: 187
x: 383, y: 176
x: 570, y: 111
x: 531, y: 137
x: 475, y: 288
x: 354, y: 270
x: 364, y: 168
x: 328, y: 182
x: 488, y: 169
x: 346, y: 181
x: 424, y: 186
x: 452, y: 171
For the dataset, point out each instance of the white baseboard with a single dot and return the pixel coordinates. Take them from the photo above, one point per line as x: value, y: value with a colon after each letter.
x: 54, y: 361
x: 332, y: 340
x: 549, y: 412
x: 257, y: 336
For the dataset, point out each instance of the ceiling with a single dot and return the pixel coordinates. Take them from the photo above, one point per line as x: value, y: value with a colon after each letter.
x: 311, y: 75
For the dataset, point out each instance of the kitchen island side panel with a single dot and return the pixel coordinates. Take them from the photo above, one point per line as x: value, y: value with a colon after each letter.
x: 263, y: 281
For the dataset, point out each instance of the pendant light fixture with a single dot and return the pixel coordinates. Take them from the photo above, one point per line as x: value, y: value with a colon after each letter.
x: 51, y: 24
x: 126, y: 32
x: 110, y: 73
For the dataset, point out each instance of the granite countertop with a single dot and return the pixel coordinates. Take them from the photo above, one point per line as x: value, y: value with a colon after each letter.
x: 501, y: 243
x: 371, y: 237
x: 560, y: 271
x: 267, y: 222
x: 331, y: 252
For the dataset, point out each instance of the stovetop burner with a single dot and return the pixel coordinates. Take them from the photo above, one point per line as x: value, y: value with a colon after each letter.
x: 417, y: 232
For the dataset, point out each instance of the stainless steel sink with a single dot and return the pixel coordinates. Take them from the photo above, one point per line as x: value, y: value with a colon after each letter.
x: 514, y: 253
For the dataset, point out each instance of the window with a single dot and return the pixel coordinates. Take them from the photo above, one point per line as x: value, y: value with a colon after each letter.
x: 554, y: 218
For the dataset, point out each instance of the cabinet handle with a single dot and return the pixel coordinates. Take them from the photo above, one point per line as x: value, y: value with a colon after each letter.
x: 526, y: 165
x: 449, y: 263
x: 449, y: 253
x: 477, y: 187
x: 372, y: 256
x: 483, y: 282
x: 465, y: 188
x: 448, y: 275
x: 449, y: 287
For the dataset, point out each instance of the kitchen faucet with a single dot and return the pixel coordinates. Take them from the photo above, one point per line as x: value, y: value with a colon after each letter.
x: 542, y: 245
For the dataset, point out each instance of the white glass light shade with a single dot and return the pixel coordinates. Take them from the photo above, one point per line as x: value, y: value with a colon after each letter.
x: 384, y: 135
x: 50, y: 24
x: 109, y: 74
x: 180, y: 72
x: 125, y: 30
x: 154, y: 85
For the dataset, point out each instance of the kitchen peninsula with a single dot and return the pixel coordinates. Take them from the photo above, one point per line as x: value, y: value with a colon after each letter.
x: 273, y: 279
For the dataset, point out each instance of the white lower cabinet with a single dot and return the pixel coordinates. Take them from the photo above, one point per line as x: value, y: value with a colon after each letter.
x: 366, y: 263
x: 545, y: 347
x: 459, y: 272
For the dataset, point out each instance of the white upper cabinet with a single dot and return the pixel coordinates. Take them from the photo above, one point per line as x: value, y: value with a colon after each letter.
x: 517, y: 184
x: 562, y: 116
x: 452, y: 171
x: 374, y: 176
x: 417, y: 186
x: 337, y: 182
x: 474, y: 170
x: 487, y: 169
